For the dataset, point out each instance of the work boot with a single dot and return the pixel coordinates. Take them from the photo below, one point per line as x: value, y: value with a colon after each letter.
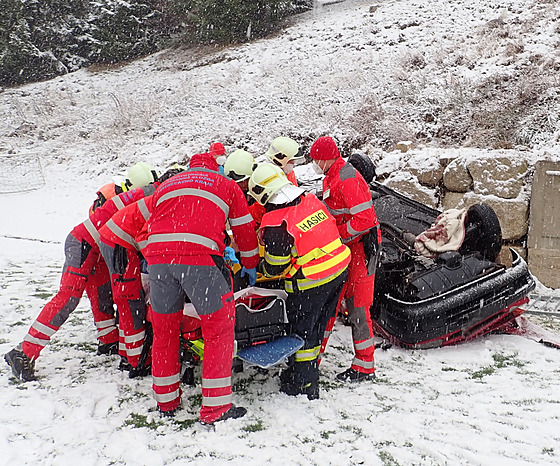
x: 139, y: 371
x: 170, y: 413
x: 352, y: 375
x: 124, y: 365
x: 235, y: 412
x: 310, y: 389
x: 108, y: 348
x: 23, y: 368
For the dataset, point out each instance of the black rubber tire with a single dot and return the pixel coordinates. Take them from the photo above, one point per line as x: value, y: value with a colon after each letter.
x: 364, y: 165
x: 483, y: 232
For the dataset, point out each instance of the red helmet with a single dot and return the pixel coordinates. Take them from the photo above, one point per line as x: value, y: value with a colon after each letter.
x: 324, y: 148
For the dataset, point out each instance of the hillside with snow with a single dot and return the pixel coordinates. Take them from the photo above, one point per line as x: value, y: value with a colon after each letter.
x: 441, y: 74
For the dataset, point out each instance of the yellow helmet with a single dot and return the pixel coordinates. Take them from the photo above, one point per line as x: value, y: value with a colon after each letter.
x: 139, y: 175
x: 282, y: 150
x: 239, y: 165
x: 266, y: 180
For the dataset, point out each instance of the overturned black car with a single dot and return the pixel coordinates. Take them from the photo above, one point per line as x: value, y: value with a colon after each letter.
x: 423, y: 302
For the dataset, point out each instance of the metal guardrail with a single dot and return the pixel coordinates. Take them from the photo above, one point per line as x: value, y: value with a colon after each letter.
x: 544, y: 305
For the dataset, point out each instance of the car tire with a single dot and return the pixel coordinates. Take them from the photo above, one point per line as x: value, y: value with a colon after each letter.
x: 364, y: 165
x: 483, y: 232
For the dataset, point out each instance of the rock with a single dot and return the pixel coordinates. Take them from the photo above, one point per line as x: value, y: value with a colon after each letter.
x: 408, y: 184
x: 429, y: 171
x: 452, y: 200
x: 499, y: 176
x: 456, y: 176
x: 404, y: 146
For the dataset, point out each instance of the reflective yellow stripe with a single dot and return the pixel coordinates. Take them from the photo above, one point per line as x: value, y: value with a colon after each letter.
x: 277, y: 260
x: 319, y: 252
x: 306, y: 284
x: 308, y: 354
x: 311, y: 269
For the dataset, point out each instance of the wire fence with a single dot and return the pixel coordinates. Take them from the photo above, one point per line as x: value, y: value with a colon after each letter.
x: 20, y: 173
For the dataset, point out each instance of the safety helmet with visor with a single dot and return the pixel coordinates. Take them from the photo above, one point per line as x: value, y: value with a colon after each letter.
x: 284, y: 150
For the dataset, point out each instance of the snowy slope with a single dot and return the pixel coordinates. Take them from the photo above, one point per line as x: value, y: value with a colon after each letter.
x: 492, y: 401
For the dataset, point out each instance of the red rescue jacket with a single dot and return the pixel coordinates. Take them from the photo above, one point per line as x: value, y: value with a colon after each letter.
x: 89, y: 230
x: 348, y: 198
x: 190, y: 210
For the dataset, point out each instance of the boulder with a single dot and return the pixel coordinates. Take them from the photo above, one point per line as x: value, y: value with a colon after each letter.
x: 428, y: 170
x: 456, y: 176
x: 408, y: 184
x: 500, y: 176
x: 452, y: 200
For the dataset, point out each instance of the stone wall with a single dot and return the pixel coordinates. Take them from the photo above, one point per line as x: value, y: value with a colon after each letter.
x: 455, y: 178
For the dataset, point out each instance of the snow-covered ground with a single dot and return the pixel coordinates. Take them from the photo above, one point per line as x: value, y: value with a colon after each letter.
x: 491, y: 401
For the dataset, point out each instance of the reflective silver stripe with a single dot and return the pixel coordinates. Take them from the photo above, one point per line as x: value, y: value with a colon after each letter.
x: 335, y: 212
x: 142, y: 244
x: 143, y: 209
x: 134, y: 351
x: 120, y: 233
x: 216, y: 383
x: 134, y: 338
x: 167, y: 397
x: 361, y: 207
x: 327, y: 334
x: 103, y: 332
x: 252, y: 253
x: 364, y: 364
x: 106, y: 323
x: 198, y: 193
x: 186, y: 237
x: 122, y: 346
x: 354, y: 232
x: 364, y: 344
x: 37, y: 341
x: 216, y: 400
x: 118, y: 202
x: 43, y: 329
x: 241, y: 220
x: 169, y: 380
x: 92, y: 230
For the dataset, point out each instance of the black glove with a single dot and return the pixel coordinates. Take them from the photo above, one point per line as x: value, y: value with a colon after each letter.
x: 120, y: 259
x: 371, y: 249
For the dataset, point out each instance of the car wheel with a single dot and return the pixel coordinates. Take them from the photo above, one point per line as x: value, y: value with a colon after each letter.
x: 482, y: 232
x: 364, y: 165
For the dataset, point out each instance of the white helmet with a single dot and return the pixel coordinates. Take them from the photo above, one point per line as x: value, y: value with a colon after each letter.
x: 282, y: 150
x: 139, y: 175
x: 266, y: 180
x: 239, y: 165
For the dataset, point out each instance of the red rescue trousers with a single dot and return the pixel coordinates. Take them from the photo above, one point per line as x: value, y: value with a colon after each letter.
x: 358, y: 294
x: 210, y: 290
x: 128, y: 295
x: 84, y: 270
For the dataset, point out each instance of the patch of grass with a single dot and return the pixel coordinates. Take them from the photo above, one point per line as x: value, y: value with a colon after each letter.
x: 387, y: 458
x: 141, y: 420
x: 488, y: 370
x: 548, y: 451
x: 327, y: 433
x: 255, y: 427
x: 448, y: 369
x: 184, y: 424
x: 195, y: 400
x: 507, y: 360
